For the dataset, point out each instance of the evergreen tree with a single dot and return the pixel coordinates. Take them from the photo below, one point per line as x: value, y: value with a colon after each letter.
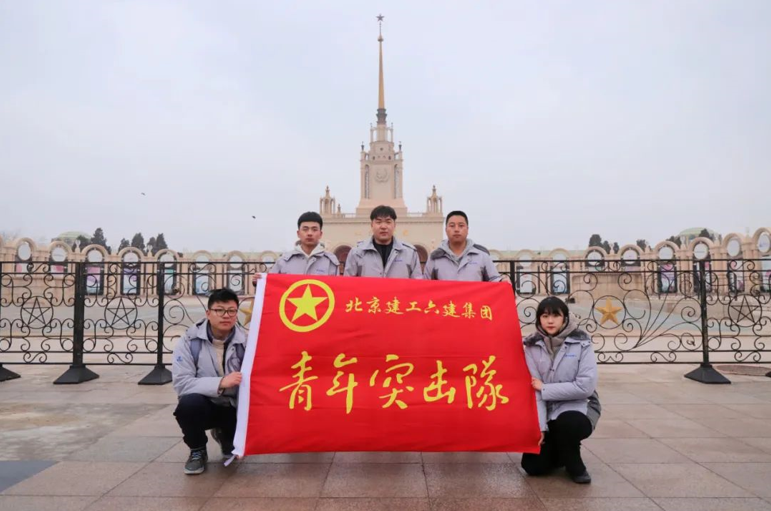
x: 138, y: 241
x: 99, y: 239
x: 160, y: 243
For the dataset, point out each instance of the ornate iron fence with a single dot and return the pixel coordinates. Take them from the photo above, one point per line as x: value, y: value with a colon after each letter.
x: 87, y: 314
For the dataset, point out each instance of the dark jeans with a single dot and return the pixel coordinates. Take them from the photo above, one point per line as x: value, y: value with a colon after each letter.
x: 196, y: 413
x: 561, y: 447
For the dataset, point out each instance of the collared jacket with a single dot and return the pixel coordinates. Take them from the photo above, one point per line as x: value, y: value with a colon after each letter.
x: 569, y: 381
x: 297, y: 262
x: 205, y: 378
x: 365, y: 261
x: 473, y: 265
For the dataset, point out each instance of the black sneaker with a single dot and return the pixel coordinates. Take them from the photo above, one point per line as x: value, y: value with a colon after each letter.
x: 226, y: 446
x: 584, y: 478
x: 196, y: 463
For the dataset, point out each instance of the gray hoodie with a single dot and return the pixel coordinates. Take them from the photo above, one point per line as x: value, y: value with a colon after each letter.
x: 473, y: 265
x: 365, y: 261
x: 205, y: 379
x: 569, y: 374
x: 297, y: 262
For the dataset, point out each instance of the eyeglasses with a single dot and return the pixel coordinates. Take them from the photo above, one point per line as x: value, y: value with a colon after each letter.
x: 224, y: 313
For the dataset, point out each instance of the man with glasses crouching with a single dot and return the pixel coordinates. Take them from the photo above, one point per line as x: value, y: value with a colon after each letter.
x: 206, y: 372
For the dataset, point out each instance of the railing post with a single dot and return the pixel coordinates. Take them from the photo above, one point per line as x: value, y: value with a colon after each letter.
x: 78, y: 372
x: 159, y: 374
x: 705, y: 373
x: 5, y: 374
x: 513, y: 275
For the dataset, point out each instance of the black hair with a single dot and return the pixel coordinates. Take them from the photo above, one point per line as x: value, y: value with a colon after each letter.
x: 223, y: 295
x: 310, y: 216
x: 383, y: 211
x: 552, y: 305
x: 455, y: 213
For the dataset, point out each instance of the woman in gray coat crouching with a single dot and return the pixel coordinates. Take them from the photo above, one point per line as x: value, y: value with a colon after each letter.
x: 564, y: 375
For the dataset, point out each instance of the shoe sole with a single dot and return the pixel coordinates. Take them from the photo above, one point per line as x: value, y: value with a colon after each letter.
x: 195, y: 472
x: 582, y: 481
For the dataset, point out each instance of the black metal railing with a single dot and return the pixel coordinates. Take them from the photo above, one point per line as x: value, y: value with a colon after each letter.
x: 86, y: 314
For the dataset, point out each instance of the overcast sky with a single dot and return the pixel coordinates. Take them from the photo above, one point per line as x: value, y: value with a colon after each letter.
x: 546, y: 121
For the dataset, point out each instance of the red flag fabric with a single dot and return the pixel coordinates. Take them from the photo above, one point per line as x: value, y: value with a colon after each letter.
x: 362, y: 364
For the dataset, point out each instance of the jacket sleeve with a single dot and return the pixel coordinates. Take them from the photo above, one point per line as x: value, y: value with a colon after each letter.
x: 415, y: 272
x: 352, y: 264
x: 539, y: 402
x: 334, y: 266
x: 183, y: 373
x: 278, y: 266
x: 429, y: 269
x: 238, y: 355
x: 491, y: 271
x: 584, y: 384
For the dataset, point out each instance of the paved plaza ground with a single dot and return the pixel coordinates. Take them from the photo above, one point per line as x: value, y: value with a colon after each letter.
x: 663, y: 443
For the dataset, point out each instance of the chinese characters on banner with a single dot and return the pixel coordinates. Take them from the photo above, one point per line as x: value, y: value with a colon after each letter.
x: 350, y: 364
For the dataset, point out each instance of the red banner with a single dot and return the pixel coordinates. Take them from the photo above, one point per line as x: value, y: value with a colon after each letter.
x: 360, y: 364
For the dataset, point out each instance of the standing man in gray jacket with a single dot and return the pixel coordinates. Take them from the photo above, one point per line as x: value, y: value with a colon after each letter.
x: 206, y: 373
x: 308, y: 256
x: 383, y: 255
x: 458, y: 258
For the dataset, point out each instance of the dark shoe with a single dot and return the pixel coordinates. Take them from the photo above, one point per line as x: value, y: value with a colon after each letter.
x: 196, y: 463
x: 584, y: 478
x: 225, y: 445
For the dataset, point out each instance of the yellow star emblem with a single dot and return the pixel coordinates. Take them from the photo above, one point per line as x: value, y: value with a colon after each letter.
x: 609, y: 312
x: 315, y: 293
x: 306, y: 305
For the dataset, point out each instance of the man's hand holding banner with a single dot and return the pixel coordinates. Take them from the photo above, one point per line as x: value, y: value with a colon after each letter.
x: 359, y: 364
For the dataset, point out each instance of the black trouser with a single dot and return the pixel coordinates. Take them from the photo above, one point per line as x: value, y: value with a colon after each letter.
x: 561, y: 446
x: 196, y: 413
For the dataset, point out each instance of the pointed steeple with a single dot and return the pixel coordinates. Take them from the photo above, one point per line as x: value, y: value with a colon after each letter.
x: 381, y: 111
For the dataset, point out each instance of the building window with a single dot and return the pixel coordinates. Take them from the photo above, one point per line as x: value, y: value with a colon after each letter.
x: 201, y: 278
x: 130, y: 283
x: 667, y: 274
x: 94, y: 272
x: 169, y: 271
x: 236, y: 274
x: 765, y: 274
x: 560, y: 275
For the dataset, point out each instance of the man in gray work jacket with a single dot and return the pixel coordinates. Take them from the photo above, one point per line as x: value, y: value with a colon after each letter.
x: 458, y: 258
x: 383, y: 255
x: 206, y: 372
x: 309, y: 256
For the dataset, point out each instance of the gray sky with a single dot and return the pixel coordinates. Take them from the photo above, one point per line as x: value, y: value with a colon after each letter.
x: 545, y: 121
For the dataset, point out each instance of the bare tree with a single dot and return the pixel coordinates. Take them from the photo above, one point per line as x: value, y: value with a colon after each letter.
x: 9, y: 235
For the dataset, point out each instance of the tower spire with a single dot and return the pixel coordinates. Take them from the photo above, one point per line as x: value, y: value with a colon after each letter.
x: 381, y: 111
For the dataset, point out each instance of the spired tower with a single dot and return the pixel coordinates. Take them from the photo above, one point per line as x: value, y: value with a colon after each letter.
x: 382, y: 165
x: 381, y: 176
